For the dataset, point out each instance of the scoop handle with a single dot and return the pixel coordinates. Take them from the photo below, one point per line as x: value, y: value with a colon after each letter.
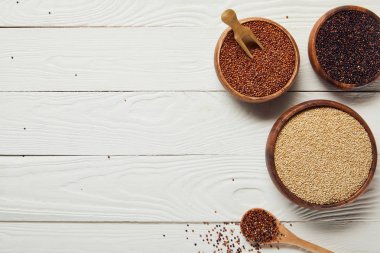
x: 229, y: 18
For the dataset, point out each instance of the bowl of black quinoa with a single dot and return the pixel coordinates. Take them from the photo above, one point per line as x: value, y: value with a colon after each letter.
x: 344, y: 47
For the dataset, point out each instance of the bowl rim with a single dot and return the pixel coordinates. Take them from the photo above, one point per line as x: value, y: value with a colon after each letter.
x: 271, y: 142
x: 239, y: 95
x: 312, y: 52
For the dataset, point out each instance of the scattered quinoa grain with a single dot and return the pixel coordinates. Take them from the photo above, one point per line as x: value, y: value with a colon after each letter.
x: 222, y: 238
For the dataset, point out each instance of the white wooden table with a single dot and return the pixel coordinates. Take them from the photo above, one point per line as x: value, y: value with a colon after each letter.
x: 115, y: 132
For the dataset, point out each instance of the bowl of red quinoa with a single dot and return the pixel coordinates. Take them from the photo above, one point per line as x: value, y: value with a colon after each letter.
x: 272, y: 70
x: 344, y: 47
x: 321, y: 154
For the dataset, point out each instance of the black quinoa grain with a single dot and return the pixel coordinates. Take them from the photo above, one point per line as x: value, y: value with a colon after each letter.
x: 348, y: 47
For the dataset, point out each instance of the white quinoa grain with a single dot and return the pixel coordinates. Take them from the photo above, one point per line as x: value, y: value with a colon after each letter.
x: 323, y: 155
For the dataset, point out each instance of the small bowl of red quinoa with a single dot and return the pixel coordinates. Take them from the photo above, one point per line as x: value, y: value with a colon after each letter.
x: 270, y: 72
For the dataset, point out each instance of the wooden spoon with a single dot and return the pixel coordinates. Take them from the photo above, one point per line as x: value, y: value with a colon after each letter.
x: 243, y: 35
x: 288, y: 238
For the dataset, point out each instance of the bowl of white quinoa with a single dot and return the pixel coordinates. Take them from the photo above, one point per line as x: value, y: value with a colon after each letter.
x: 321, y: 154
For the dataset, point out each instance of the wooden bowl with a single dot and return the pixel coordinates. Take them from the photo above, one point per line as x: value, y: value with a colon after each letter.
x: 313, y: 53
x: 272, y: 138
x: 237, y: 94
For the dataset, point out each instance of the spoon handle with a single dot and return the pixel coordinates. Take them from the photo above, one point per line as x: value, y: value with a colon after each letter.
x: 307, y: 245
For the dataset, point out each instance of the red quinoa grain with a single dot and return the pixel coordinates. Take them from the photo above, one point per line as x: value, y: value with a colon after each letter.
x: 221, y: 238
x: 259, y: 226
x: 268, y: 71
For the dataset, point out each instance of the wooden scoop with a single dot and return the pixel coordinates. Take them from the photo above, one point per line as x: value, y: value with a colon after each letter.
x: 243, y: 35
x: 288, y: 238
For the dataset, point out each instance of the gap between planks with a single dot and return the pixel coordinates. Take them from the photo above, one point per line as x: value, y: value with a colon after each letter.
x: 131, y: 155
x: 94, y: 26
x: 171, y: 222
x: 178, y: 91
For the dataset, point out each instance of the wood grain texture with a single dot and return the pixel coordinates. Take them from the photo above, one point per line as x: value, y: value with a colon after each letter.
x: 154, y: 188
x: 161, y: 13
x: 350, y: 237
x: 122, y: 59
x: 188, y: 154
x: 152, y: 123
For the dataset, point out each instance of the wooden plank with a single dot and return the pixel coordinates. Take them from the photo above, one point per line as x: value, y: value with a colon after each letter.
x: 350, y: 237
x: 124, y: 59
x: 153, y: 188
x: 152, y: 123
x: 106, y: 59
x: 160, y: 13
